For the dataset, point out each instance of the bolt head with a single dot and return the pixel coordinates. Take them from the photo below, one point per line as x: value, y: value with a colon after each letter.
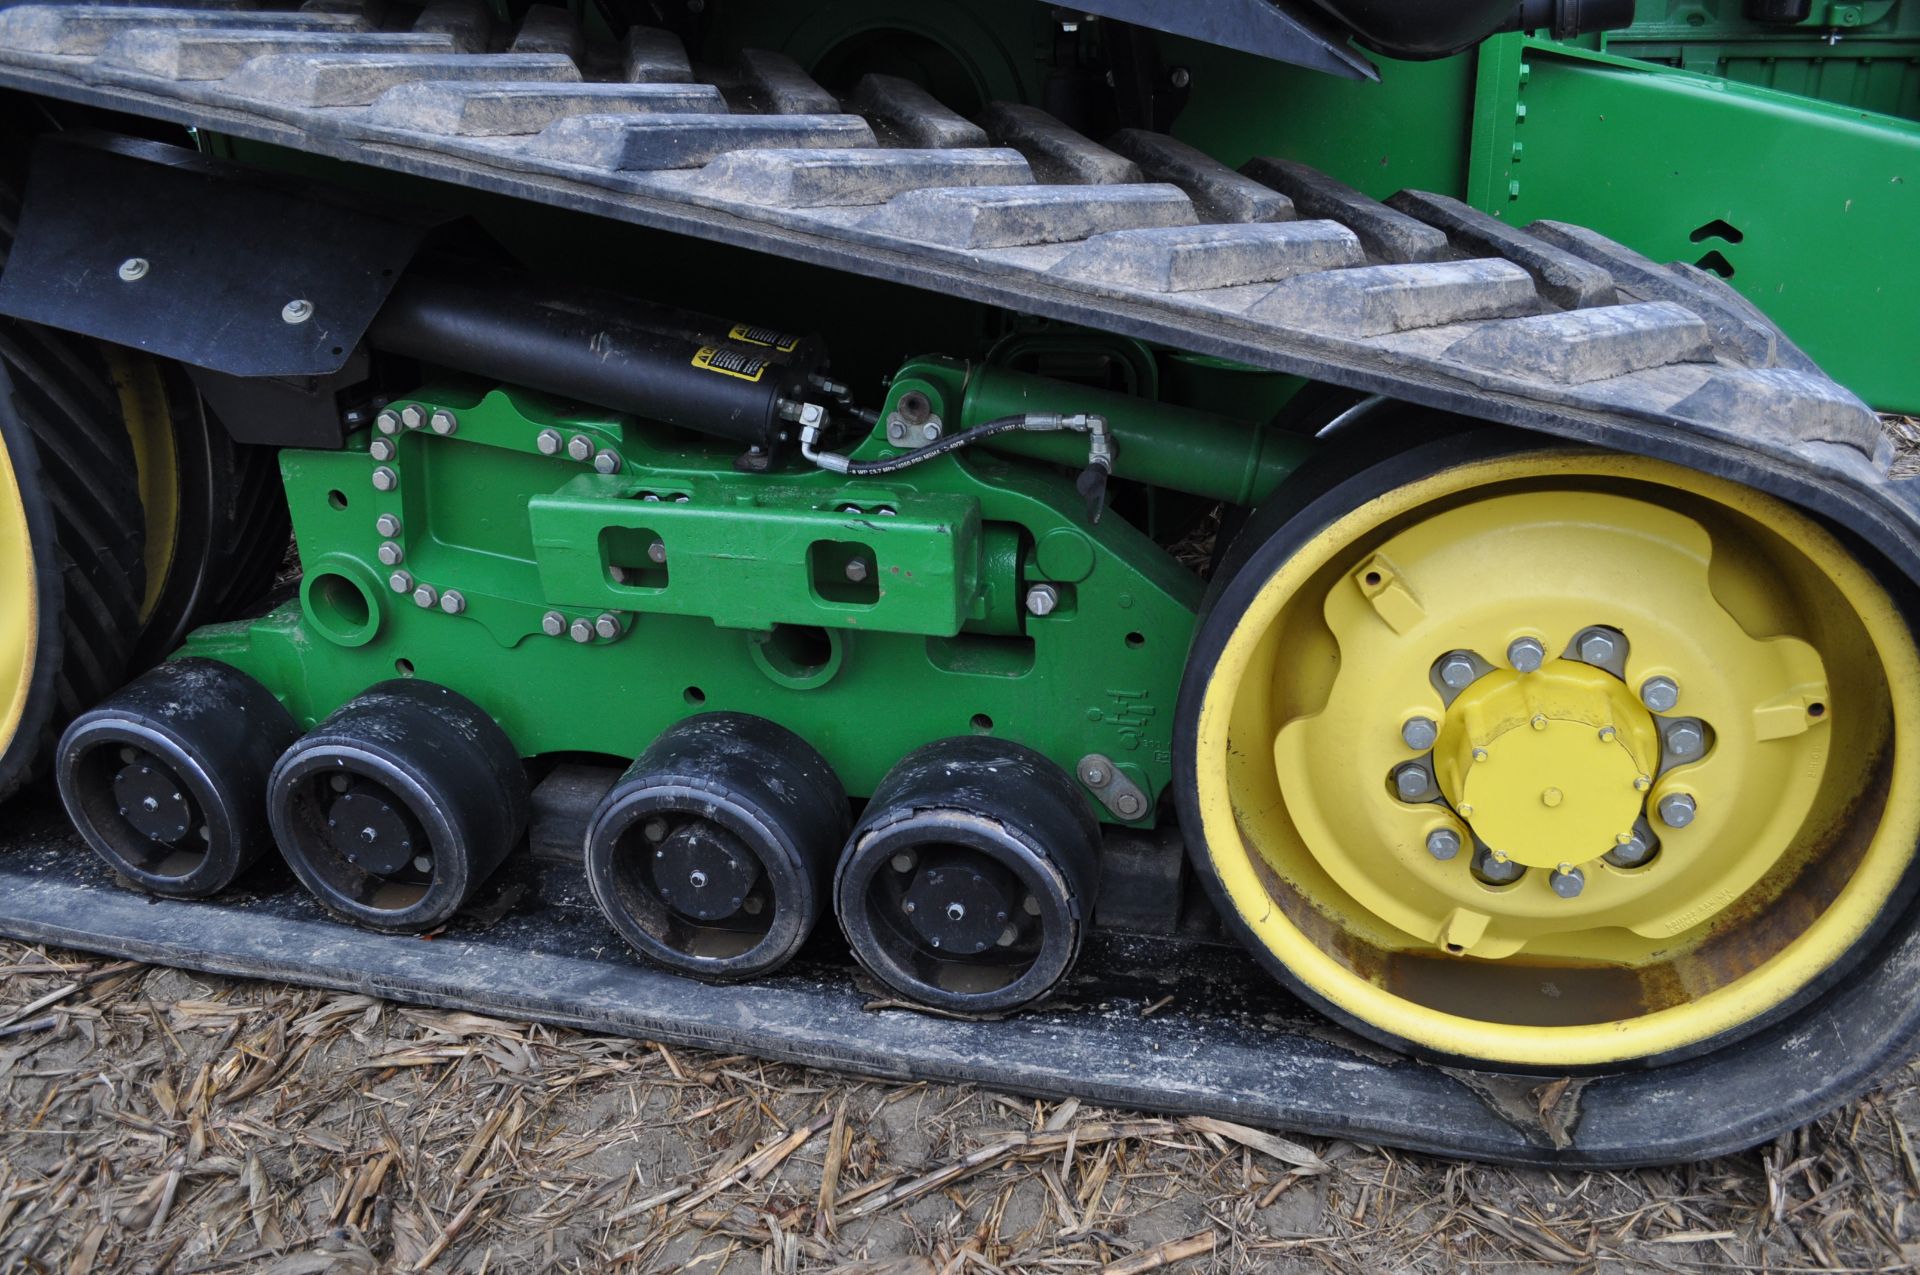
x: 299, y: 310
x: 580, y: 447
x: 607, y: 625
x: 553, y: 624
x: 547, y: 442
x: 1094, y: 776
x: 134, y: 268
x: 607, y: 462
x: 391, y: 554
x: 421, y: 863
x: 384, y: 479
x: 1597, y: 647
x: 1443, y: 843
x: 1526, y: 654
x: 443, y: 422
x: 896, y: 430
x: 1632, y: 852
x: 1457, y: 671
x: 657, y: 552
x: 401, y: 582
x: 1567, y: 882
x: 1181, y: 77
x: 1126, y: 805
x: 1685, y: 740
x: 413, y: 416
x: 580, y: 631
x: 1412, y: 782
x: 1677, y: 809
x: 387, y: 525
x: 857, y: 570
x: 453, y: 602
x: 1042, y: 599
x: 1418, y: 733
x: 387, y: 421
x: 381, y: 449
x: 1660, y: 694
x: 930, y: 431
x: 426, y: 596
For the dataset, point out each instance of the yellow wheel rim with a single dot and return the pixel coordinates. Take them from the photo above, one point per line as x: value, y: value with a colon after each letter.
x: 19, y: 604
x: 143, y: 406
x: 1624, y: 881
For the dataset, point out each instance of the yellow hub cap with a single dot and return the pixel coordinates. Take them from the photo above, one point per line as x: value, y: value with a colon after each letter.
x: 1561, y: 759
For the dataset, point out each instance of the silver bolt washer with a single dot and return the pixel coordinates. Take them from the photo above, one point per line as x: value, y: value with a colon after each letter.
x: 857, y: 570
x: 1411, y: 782
x: 580, y: 631
x: 426, y: 596
x: 390, y: 554
x: 1042, y: 599
x: 607, y: 462
x: 401, y: 582
x: 298, y: 310
x: 1456, y: 671
x: 1661, y: 694
x: 1567, y: 882
x: 580, y: 447
x: 1418, y: 733
x: 1443, y: 843
x: 553, y: 624
x: 134, y: 268
x: 1677, y: 809
x: 1526, y: 654
x: 548, y: 442
x: 381, y: 449
x: 413, y: 416
x: 387, y: 422
x: 1597, y: 647
x: 387, y: 525
x: 607, y: 625
x: 384, y: 479
x: 453, y: 602
x: 657, y: 553
x: 444, y: 422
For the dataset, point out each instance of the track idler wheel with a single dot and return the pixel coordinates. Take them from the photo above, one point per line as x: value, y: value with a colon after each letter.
x: 711, y: 856
x: 396, y: 808
x: 167, y: 780
x: 969, y: 882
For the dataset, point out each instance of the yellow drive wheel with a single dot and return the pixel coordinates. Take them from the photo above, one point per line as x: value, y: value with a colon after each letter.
x: 1550, y: 759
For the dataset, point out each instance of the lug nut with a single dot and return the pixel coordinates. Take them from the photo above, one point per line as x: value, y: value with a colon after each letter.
x: 580, y: 447
x: 1419, y: 733
x: 425, y: 596
x: 381, y: 449
x: 390, y: 554
x: 553, y: 624
x: 384, y: 479
x: 1495, y: 868
x: 1567, y: 881
x: 1042, y: 599
x: 1598, y: 646
x: 857, y: 570
x: 453, y: 602
x: 1632, y: 852
x: 1525, y: 654
x: 387, y: 525
x: 1443, y: 843
x: 1684, y: 739
x: 1677, y: 809
x: 547, y: 442
x: 580, y: 631
x: 413, y: 416
x: 1660, y: 694
x: 443, y: 422
x: 387, y: 422
x: 607, y: 462
x: 607, y: 625
x: 1412, y: 782
x: 1457, y: 671
x: 401, y: 582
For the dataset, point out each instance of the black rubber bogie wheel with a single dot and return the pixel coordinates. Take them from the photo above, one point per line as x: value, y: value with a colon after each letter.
x: 968, y: 883
x: 167, y: 779
x: 713, y: 852
x: 398, y: 806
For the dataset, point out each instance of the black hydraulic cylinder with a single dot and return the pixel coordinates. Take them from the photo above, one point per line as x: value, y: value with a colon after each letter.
x: 665, y: 365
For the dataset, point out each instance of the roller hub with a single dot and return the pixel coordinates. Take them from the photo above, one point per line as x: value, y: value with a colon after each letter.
x: 373, y: 831
x: 153, y: 801
x: 704, y: 872
x: 962, y: 905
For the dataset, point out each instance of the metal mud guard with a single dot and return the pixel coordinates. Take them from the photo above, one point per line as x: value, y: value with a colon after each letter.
x: 1552, y: 328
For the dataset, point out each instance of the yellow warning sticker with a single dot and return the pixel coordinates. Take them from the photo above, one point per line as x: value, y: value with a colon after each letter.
x: 748, y: 334
x: 730, y: 363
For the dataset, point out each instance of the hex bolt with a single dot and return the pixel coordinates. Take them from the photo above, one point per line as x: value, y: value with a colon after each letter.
x: 1419, y: 733
x: 1660, y: 694
x: 655, y: 830
x: 298, y: 310
x: 443, y: 422
x: 607, y: 625
x: 1677, y: 809
x: 1495, y: 868
x: 422, y: 863
x: 553, y: 624
x: 1526, y: 654
x: 1042, y: 599
x: 381, y: 449
x: 657, y: 553
x: 134, y: 268
x: 580, y: 631
x: 1181, y: 77
x: 387, y: 525
x: 896, y: 430
x: 607, y: 462
x: 1094, y: 775
x: 390, y: 554
x: 1632, y: 852
x: 580, y: 448
x: 857, y: 570
x: 401, y: 582
x: 1597, y: 647
x: 1443, y: 843
x: 1567, y: 881
x: 1684, y: 739
x: 453, y: 602
x: 425, y: 597
x: 384, y: 479
x: 548, y: 441
x: 1127, y: 806
x: 387, y: 421
x: 413, y: 416
x: 1411, y: 782
x: 1457, y: 671
x: 930, y: 431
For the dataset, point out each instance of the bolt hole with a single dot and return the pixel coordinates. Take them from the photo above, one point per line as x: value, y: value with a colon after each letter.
x: 339, y: 349
x: 982, y: 724
x: 403, y: 667
x: 1136, y: 639
x: 1816, y: 710
x: 1372, y: 579
x: 1455, y: 948
x: 338, y: 499
x: 694, y: 695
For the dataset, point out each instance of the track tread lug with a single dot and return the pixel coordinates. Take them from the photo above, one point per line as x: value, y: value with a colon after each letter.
x: 914, y: 114
x: 1019, y: 216
x: 81, y: 31
x: 1564, y: 279
x: 1059, y: 154
x: 1576, y: 346
x: 825, y: 178
x: 217, y: 55
x: 453, y: 108
x: 468, y: 22
x: 1193, y: 258
x: 1382, y: 300
x: 779, y: 81
x: 625, y: 143
x: 335, y: 80
x: 1390, y: 235
x: 653, y: 56
x: 1218, y: 193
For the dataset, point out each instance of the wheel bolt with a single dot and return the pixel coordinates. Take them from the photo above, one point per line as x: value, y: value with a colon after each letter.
x: 1632, y: 852
x: 1495, y: 868
x: 1677, y: 809
x: 1525, y: 654
x: 1412, y: 782
x: 1598, y: 646
x: 1443, y: 843
x: 1567, y: 881
x: 1419, y: 733
x: 1457, y: 671
x: 1660, y: 694
x: 1685, y: 739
